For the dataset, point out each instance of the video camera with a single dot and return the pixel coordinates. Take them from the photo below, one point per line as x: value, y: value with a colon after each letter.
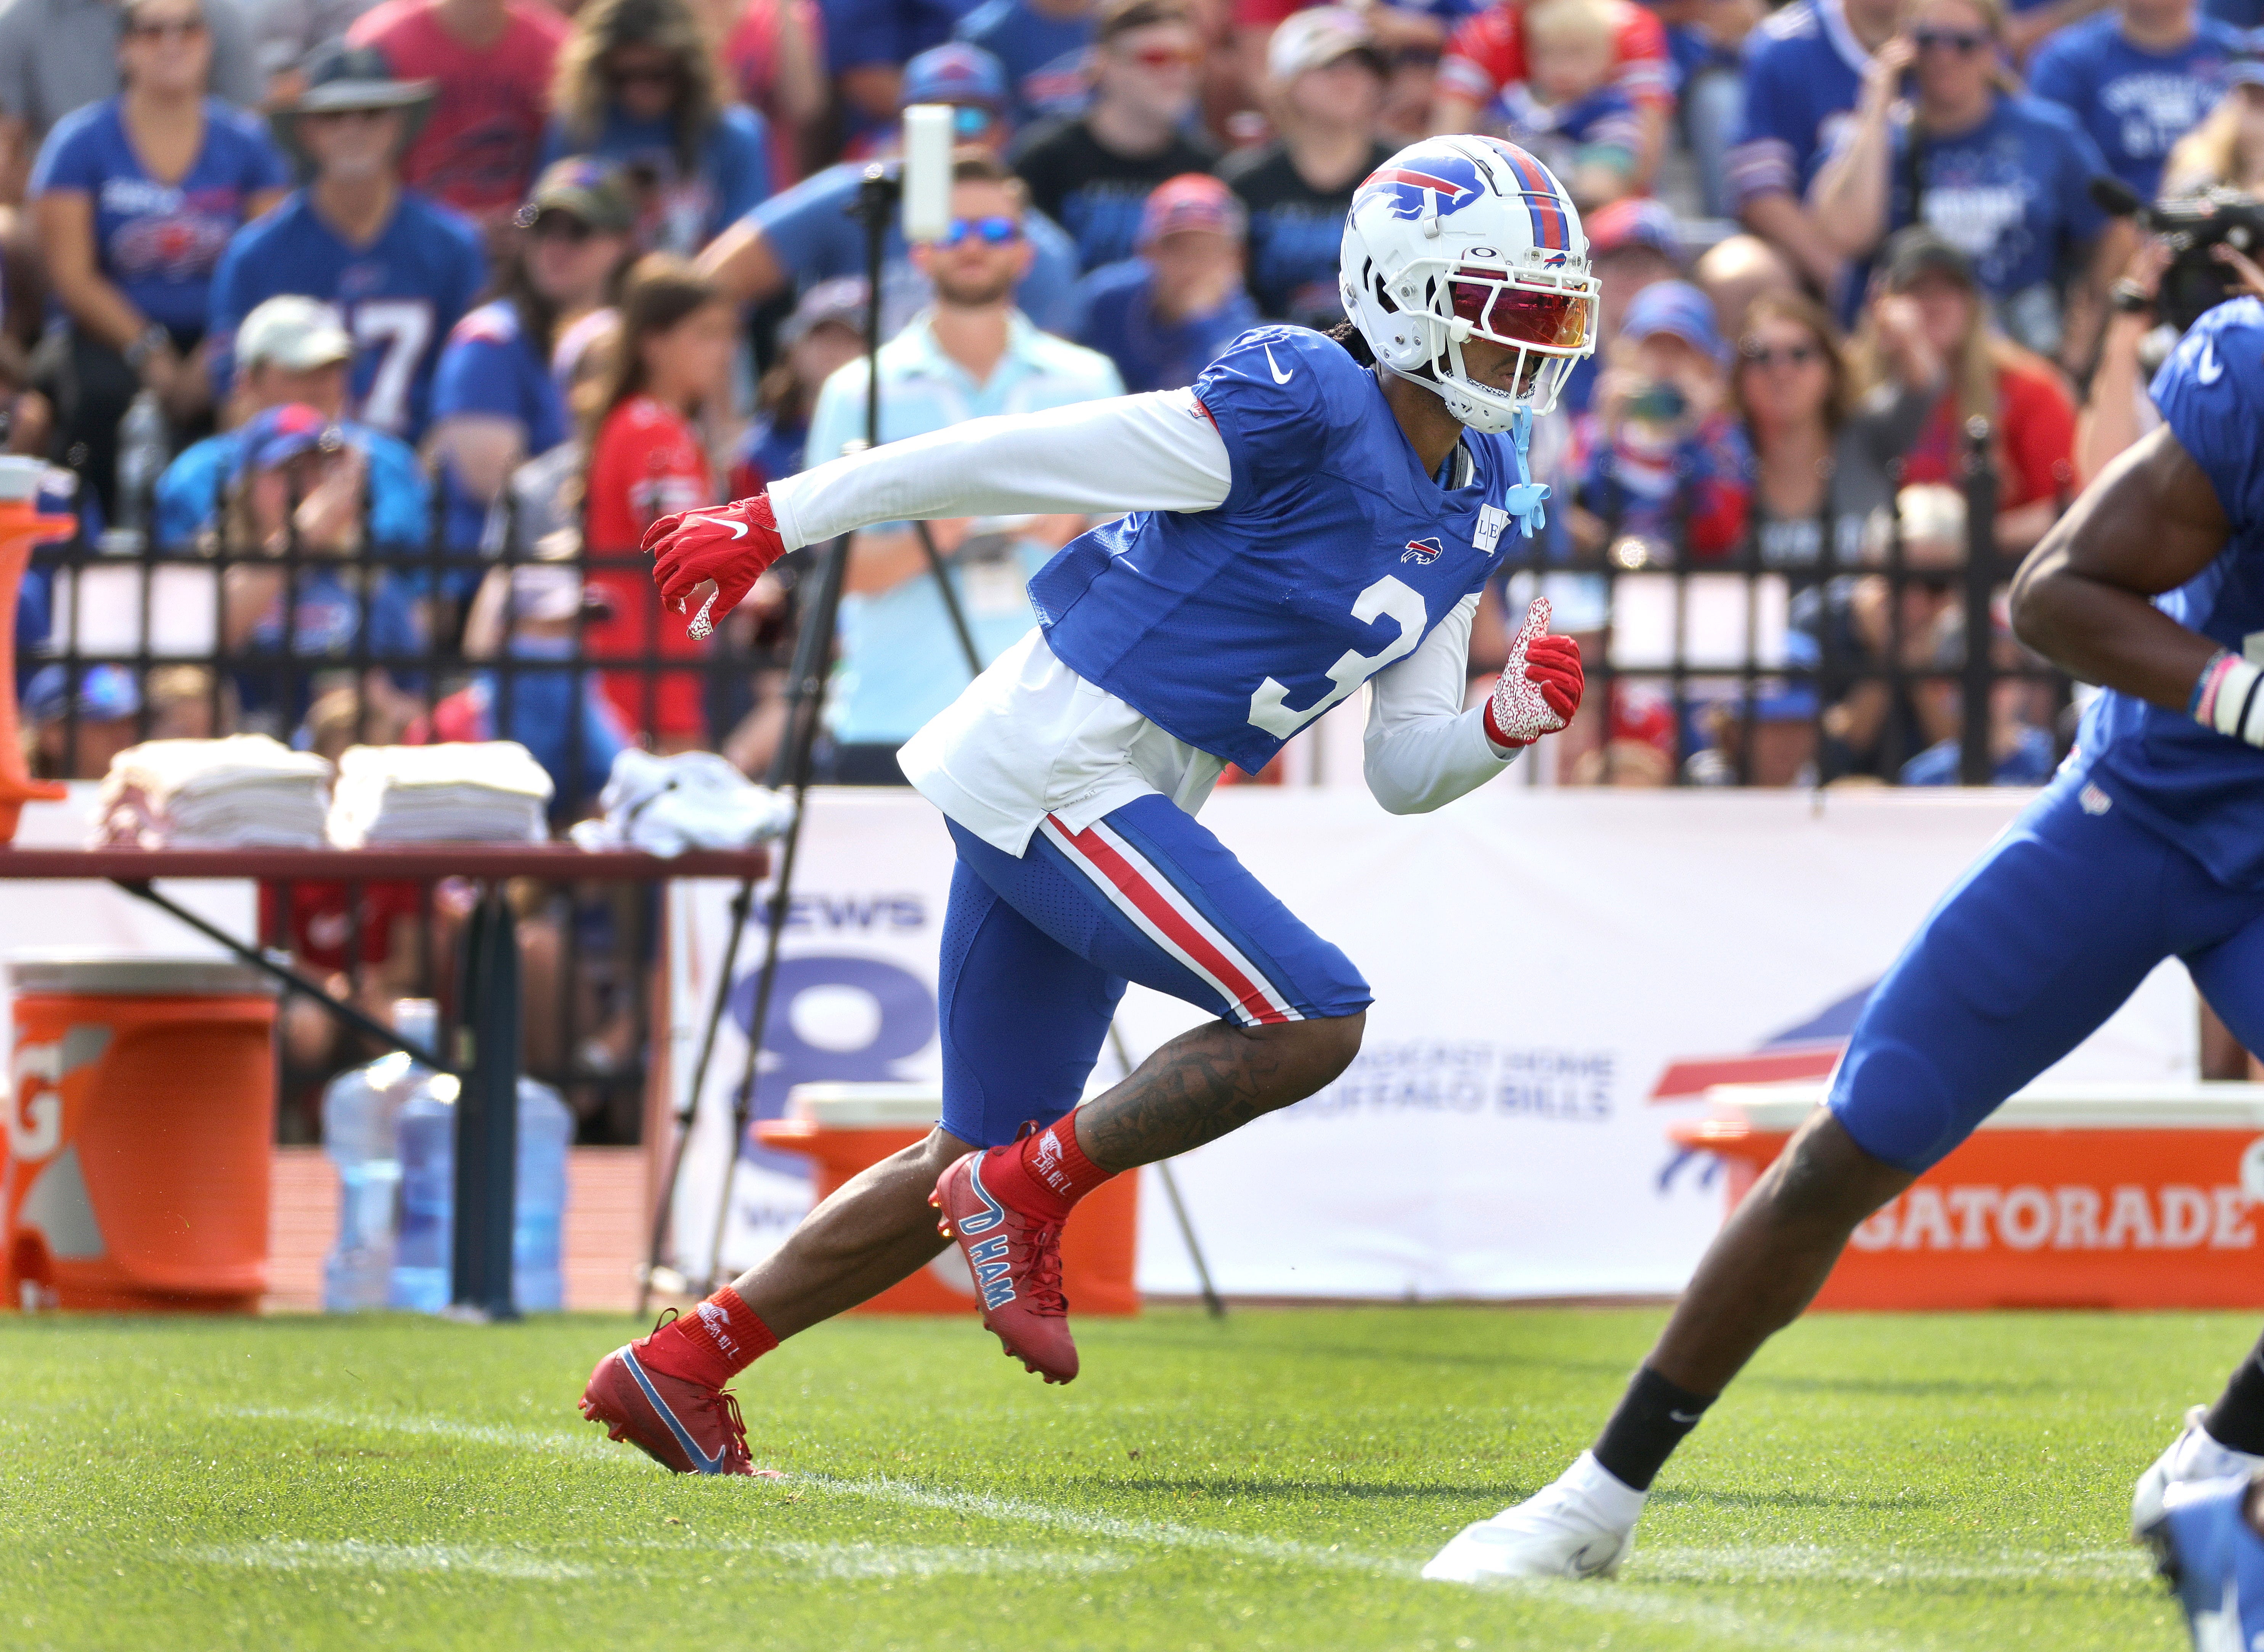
x: 2190, y: 226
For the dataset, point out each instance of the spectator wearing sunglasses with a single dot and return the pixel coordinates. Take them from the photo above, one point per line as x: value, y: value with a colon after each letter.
x: 806, y: 234
x: 1164, y: 316
x: 1094, y: 173
x: 496, y: 399
x: 1825, y: 460
x: 2004, y: 177
x: 60, y: 55
x: 1324, y: 85
x: 1043, y: 45
x: 490, y: 63
x: 2138, y: 78
x: 135, y: 198
x: 971, y: 355
x: 639, y: 86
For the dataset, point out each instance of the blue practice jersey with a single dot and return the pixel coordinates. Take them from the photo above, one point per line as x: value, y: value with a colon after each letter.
x: 1331, y: 556
x: 2202, y: 790
x: 2135, y: 104
x: 1804, y: 67
x: 398, y: 296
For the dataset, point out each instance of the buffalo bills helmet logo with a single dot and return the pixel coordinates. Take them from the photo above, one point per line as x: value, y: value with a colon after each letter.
x: 1425, y: 551
x: 1413, y: 183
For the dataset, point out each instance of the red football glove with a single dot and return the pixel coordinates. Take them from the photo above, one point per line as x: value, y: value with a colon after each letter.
x: 1540, y: 687
x: 731, y: 544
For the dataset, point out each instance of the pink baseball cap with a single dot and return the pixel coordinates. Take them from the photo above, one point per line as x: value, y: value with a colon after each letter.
x: 1193, y: 200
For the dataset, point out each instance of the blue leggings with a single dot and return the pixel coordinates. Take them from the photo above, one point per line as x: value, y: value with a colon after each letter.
x: 1037, y: 950
x: 2041, y: 941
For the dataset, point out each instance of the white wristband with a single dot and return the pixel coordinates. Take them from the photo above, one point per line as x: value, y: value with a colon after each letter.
x: 2230, y: 698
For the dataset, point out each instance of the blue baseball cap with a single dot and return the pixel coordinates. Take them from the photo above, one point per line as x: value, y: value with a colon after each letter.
x: 1676, y: 307
x: 2247, y: 69
x: 954, y: 73
x: 276, y: 434
x: 106, y: 694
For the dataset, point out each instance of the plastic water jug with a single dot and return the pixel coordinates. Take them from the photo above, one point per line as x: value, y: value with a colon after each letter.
x: 422, y: 1269
x: 361, y: 1132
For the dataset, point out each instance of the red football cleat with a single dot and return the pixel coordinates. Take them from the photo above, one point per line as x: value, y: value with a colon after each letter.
x: 679, y: 1423
x: 1016, y: 1261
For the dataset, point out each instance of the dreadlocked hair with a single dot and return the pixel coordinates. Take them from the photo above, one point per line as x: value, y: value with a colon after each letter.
x: 1349, y: 336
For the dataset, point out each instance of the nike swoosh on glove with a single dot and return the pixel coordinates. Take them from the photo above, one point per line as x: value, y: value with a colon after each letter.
x: 1540, y: 687
x: 731, y: 544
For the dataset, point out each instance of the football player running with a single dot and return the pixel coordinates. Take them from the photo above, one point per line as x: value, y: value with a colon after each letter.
x: 2149, y: 843
x: 1316, y: 512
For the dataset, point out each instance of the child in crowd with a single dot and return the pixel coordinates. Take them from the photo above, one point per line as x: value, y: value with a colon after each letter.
x: 1667, y: 463
x: 1567, y: 112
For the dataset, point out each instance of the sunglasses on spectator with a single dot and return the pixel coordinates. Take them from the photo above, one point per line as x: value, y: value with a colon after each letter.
x: 643, y: 75
x: 167, y: 29
x: 971, y: 120
x: 1792, y: 355
x: 551, y: 223
x: 1162, y: 57
x: 1961, y: 41
x: 1000, y: 231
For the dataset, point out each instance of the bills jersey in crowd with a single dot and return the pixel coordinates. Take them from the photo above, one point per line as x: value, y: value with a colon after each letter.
x: 1331, y: 556
x: 1044, y: 55
x: 2200, y: 789
x: 398, y: 296
x: 2135, y: 103
x: 1804, y: 67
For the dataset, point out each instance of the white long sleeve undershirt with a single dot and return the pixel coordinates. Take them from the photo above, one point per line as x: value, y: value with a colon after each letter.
x: 1157, y: 452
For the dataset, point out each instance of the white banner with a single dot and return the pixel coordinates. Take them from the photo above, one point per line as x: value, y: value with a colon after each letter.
x: 1543, y: 960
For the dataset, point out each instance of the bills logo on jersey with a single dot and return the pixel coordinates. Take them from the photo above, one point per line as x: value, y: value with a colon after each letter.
x: 1452, y: 180
x: 1425, y: 551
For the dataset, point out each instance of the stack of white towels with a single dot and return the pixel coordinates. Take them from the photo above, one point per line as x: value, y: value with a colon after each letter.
x: 244, y: 792
x: 486, y: 792
x: 693, y: 800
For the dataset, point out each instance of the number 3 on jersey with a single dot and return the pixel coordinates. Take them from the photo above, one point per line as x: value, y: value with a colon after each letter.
x: 1388, y: 599
x: 397, y: 330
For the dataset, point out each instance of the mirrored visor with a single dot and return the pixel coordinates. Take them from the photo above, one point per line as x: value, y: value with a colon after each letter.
x: 1554, y: 321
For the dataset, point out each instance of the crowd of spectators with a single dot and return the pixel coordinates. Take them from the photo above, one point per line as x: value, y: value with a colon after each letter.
x: 394, y: 287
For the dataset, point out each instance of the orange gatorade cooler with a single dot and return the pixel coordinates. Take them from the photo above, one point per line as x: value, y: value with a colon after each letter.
x: 139, y: 1122
x: 846, y: 1128
x: 2071, y: 1195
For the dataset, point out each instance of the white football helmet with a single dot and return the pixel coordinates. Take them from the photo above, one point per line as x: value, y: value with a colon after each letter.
x: 1456, y: 238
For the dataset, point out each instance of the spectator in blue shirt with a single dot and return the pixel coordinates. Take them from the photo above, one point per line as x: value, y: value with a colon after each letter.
x: 135, y: 198
x: 2002, y: 177
x: 495, y: 398
x: 639, y: 85
x: 805, y: 234
x: 292, y: 349
x: 1166, y: 315
x: 825, y: 333
x: 2138, y: 78
x: 1804, y: 67
x: 1042, y: 45
x: 870, y: 48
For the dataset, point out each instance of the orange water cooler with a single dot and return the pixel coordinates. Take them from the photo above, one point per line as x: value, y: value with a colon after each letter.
x: 2071, y: 1195
x: 141, y: 1116
x: 846, y: 1128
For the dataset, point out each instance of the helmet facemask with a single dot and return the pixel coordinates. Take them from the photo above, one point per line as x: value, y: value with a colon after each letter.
x: 1545, y: 317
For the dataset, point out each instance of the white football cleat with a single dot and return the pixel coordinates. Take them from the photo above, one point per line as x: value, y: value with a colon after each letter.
x: 2192, y: 1456
x: 1582, y: 1525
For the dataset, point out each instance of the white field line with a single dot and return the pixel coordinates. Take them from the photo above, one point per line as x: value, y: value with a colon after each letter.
x: 1630, y: 1599
x: 832, y: 1561
x: 1796, y: 1562
x: 291, y: 1554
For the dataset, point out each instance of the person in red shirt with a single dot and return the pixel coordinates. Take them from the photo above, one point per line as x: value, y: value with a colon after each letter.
x: 2031, y: 413
x: 491, y: 61
x: 672, y: 356
x: 1487, y: 53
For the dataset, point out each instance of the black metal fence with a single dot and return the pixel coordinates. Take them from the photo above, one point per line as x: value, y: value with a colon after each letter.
x: 1737, y: 671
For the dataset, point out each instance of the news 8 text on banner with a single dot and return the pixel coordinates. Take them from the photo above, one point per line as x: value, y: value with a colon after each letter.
x: 1543, y: 961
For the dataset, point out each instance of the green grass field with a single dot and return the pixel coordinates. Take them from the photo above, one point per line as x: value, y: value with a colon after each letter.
x: 1274, y: 1481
